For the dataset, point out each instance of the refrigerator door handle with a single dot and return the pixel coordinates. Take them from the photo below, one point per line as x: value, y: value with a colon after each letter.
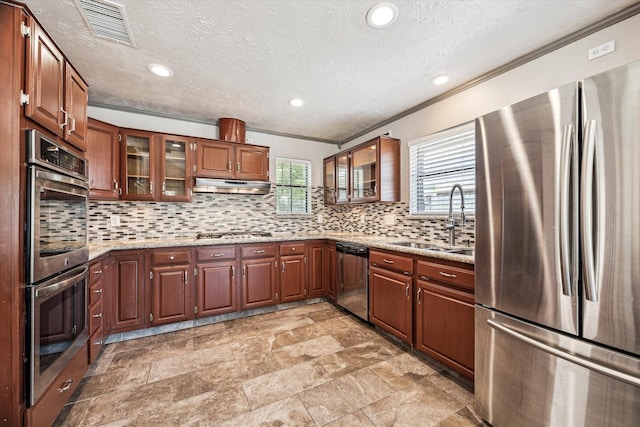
x: 601, y: 369
x: 565, y: 258
x: 586, y: 223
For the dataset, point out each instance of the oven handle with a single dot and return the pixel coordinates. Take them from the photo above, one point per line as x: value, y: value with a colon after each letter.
x: 56, y: 177
x: 58, y: 284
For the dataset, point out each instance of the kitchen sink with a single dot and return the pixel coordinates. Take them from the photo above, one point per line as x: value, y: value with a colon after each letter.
x: 468, y: 252
x: 416, y: 245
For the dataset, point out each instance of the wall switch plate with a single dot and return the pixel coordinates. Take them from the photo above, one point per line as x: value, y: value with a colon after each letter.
x: 320, y: 219
x: 390, y: 219
x: 115, y: 220
x: 603, y: 49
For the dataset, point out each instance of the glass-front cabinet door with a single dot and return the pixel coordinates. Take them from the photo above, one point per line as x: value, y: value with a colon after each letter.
x: 342, y: 178
x: 364, y: 169
x: 175, y: 173
x: 329, y: 181
x: 137, y: 165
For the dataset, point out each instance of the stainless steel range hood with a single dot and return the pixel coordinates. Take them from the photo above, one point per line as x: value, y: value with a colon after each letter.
x: 230, y: 186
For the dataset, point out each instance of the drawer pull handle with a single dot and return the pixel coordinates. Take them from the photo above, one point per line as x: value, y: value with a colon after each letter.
x: 259, y: 252
x: 95, y: 316
x: 388, y: 261
x: 98, y: 342
x: 424, y: 278
x: 217, y: 255
x: 418, y: 294
x: 97, y: 291
x: 450, y: 276
x: 97, y: 272
x: 65, y: 385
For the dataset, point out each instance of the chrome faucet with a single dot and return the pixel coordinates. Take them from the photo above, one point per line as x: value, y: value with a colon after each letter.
x: 451, y: 221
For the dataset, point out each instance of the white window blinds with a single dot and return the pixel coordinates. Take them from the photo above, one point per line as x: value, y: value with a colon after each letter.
x: 437, y: 162
x: 293, y: 186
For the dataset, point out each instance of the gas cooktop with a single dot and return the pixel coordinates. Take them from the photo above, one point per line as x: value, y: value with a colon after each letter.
x: 233, y: 235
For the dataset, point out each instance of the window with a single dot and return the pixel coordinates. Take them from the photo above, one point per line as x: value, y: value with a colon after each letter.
x: 293, y: 186
x: 437, y: 162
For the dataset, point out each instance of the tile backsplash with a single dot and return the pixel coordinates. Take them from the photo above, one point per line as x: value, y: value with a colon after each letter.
x: 235, y: 212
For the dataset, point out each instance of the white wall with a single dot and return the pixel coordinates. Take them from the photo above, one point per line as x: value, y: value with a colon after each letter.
x: 279, y: 146
x: 557, y: 68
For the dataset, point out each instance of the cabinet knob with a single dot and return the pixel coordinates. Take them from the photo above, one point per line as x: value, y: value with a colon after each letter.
x: 171, y: 257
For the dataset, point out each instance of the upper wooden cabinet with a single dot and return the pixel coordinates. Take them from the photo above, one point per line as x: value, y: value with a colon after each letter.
x: 369, y: 172
x: 220, y: 159
x: 104, y: 161
x: 155, y: 166
x: 57, y: 94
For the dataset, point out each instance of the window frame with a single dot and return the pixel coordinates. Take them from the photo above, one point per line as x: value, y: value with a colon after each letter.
x: 308, y: 187
x: 467, y: 171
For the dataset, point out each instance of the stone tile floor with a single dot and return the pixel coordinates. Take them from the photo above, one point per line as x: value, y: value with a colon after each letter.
x: 308, y: 366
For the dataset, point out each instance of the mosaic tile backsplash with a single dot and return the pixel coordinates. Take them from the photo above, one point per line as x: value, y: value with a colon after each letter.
x: 235, y: 212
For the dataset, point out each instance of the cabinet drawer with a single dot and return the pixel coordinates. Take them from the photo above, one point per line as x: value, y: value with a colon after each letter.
x: 389, y: 261
x: 95, y: 272
x: 258, y: 251
x: 292, y: 248
x: 95, y: 293
x: 215, y: 253
x: 95, y: 345
x: 181, y: 256
x: 434, y: 272
x: 95, y: 318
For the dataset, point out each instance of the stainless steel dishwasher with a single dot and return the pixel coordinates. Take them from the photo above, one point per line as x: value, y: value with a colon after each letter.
x: 353, y: 278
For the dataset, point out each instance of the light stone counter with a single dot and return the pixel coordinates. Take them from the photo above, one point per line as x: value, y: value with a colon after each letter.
x: 97, y: 249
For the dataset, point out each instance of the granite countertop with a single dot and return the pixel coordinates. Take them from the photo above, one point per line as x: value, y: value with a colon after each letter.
x: 97, y: 249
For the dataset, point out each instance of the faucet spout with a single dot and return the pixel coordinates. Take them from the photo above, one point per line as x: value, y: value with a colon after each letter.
x: 451, y: 222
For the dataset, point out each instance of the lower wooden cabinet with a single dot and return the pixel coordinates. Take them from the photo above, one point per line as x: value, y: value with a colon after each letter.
x: 98, y: 279
x: 330, y: 256
x: 171, y: 290
x: 293, y: 278
x: 390, y: 302
x: 127, y: 292
x: 259, y: 282
x: 444, y: 310
x: 217, y: 290
x: 316, y: 282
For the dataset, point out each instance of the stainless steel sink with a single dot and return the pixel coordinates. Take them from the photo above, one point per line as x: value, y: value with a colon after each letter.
x: 416, y: 245
x: 468, y: 252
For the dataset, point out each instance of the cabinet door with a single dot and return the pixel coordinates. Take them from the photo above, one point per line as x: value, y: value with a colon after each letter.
x: 342, y: 178
x: 390, y: 303
x: 364, y: 173
x: 104, y: 161
x: 76, y: 97
x: 137, y: 167
x: 315, y: 267
x: 293, y: 278
x: 217, y: 291
x: 45, y: 80
x: 171, y: 294
x: 215, y: 159
x: 445, y: 326
x: 252, y: 162
x: 259, y: 283
x: 175, y: 173
x: 329, y: 181
x: 330, y: 261
x: 127, y: 296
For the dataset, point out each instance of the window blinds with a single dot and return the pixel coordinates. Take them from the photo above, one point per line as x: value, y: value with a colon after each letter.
x: 293, y: 186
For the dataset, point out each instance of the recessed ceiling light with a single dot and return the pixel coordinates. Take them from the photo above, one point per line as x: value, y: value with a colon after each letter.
x: 382, y: 15
x: 160, y: 70
x: 440, y: 80
x: 296, y: 102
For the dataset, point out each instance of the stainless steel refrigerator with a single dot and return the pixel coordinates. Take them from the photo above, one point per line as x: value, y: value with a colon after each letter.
x: 558, y: 256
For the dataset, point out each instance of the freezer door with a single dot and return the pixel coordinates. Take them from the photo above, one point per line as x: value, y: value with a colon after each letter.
x: 528, y: 376
x: 526, y: 209
x: 610, y: 214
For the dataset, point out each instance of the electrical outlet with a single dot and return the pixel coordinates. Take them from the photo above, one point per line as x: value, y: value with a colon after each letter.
x: 603, y: 49
x: 320, y: 219
x: 115, y: 220
x: 248, y: 140
x: 390, y: 219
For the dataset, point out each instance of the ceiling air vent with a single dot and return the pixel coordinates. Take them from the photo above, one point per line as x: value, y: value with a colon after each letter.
x: 106, y: 20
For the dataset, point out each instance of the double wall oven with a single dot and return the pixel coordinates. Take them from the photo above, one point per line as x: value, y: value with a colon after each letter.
x: 57, y: 254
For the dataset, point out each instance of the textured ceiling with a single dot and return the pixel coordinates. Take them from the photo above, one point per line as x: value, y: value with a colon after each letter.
x: 246, y: 59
